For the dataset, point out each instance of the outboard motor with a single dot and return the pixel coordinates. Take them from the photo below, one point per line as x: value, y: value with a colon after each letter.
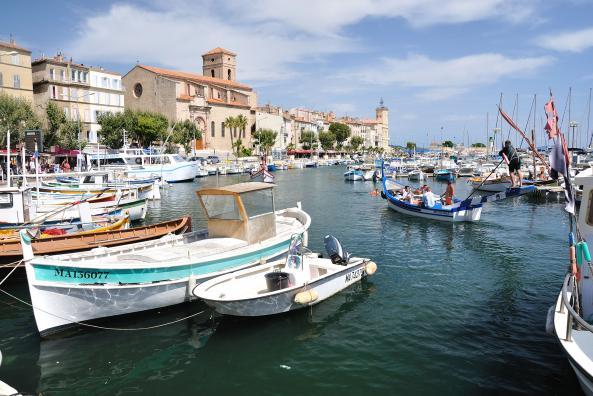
x: 335, y: 251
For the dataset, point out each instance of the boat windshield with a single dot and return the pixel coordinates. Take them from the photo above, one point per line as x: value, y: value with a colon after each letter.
x: 258, y: 202
x: 178, y: 158
x: 222, y: 207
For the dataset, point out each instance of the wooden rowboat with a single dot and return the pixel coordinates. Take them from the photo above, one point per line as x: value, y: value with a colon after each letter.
x: 11, y: 249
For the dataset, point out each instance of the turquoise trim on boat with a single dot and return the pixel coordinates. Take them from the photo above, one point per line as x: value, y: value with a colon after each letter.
x: 90, y: 276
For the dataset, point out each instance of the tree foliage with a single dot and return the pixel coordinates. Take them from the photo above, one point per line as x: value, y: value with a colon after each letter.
x: 265, y: 138
x: 142, y: 126
x: 356, y: 142
x: 448, y: 143
x: 68, y: 136
x: 17, y: 115
x: 327, y: 140
x: 341, y: 132
x: 308, y: 139
x: 478, y: 145
x: 410, y: 145
x: 55, y: 119
x: 184, y: 133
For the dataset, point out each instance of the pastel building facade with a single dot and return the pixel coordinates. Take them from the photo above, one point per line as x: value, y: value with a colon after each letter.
x: 80, y: 91
x: 206, y: 99
x: 15, y: 71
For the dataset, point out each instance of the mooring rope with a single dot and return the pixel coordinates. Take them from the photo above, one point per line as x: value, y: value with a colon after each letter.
x: 103, y: 327
x: 11, y: 271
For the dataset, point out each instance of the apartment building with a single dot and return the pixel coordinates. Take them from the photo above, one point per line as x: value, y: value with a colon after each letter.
x: 15, y: 71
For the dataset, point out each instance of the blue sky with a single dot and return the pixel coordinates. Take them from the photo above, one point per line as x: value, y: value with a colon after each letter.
x: 436, y: 63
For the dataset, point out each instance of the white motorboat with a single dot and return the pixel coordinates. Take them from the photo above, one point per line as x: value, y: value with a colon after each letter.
x: 354, y: 175
x: 171, y: 168
x: 571, y: 318
x: 416, y: 175
x: 299, y: 281
x: 243, y: 229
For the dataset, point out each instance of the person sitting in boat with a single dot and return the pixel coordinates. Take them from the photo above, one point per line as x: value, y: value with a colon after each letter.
x: 449, y: 193
x: 542, y: 174
x: 429, y: 198
x: 514, y: 163
x: 406, y: 194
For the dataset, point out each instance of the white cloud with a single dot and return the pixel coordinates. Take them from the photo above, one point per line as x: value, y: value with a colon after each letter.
x: 270, y: 37
x: 329, y: 16
x: 176, y: 38
x: 575, y: 41
x: 440, y: 79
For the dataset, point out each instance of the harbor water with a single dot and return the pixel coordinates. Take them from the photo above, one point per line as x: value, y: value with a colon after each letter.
x: 453, y: 309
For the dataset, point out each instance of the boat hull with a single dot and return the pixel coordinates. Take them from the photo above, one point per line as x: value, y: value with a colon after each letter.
x: 440, y: 215
x: 65, y: 290
x: 573, y: 348
x: 284, y: 300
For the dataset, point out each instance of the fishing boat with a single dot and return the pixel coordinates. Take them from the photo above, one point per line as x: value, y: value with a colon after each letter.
x: 571, y: 318
x: 10, y: 250
x: 243, y: 228
x: 466, y: 171
x: 444, y: 175
x: 433, y: 208
x: 494, y: 184
x: 301, y: 280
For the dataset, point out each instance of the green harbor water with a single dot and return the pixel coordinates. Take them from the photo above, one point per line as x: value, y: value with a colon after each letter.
x: 453, y: 309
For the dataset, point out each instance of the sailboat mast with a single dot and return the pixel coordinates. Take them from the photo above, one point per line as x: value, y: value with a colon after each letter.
x: 533, y: 137
x: 589, y: 116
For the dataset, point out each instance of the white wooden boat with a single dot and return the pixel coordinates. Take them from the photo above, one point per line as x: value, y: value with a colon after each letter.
x: 571, y: 318
x: 299, y: 281
x: 354, y: 175
x: 243, y: 229
x: 491, y: 185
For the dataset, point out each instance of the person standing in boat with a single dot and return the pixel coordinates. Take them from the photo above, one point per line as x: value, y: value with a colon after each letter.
x: 449, y: 193
x: 514, y: 163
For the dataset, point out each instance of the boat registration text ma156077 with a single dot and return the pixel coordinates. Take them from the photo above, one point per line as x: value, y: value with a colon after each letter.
x: 60, y: 272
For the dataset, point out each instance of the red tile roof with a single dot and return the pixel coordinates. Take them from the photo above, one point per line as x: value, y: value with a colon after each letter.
x: 198, y: 78
x: 234, y: 104
x: 14, y: 46
x: 219, y: 50
x: 184, y: 97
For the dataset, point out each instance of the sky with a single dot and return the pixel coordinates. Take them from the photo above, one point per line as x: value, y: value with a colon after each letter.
x: 440, y: 66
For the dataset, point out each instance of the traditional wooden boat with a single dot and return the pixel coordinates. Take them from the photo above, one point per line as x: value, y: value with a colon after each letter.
x: 96, y: 224
x: 469, y: 209
x: 10, y: 249
x: 244, y: 228
x: 301, y: 280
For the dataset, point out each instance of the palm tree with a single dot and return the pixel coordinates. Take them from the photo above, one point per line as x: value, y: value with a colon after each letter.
x: 231, y: 123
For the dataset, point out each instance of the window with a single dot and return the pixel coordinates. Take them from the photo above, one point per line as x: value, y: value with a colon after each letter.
x: 64, y: 95
x: 73, y: 75
x: 87, y: 116
x: 62, y: 75
x: 1, y: 82
x: 138, y: 90
x: 114, y: 84
x: 221, y: 207
x: 16, y: 81
x: 258, y: 202
x: 188, y: 89
x: 53, y: 92
x: 84, y: 76
x: 52, y: 74
x: 105, y: 82
x: 74, y: 94
x: 222, y: 129
x: 212, y: 129
x: 229, y: 74
x: 16, y: 59
x: 212, y: 72
x: 243, y: 132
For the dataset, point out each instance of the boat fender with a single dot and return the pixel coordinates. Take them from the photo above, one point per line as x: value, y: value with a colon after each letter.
x: 370, y: 268
x: 573, y: 262
x: 579, y: 253
x: 586, y: 251
x: 306, y: 297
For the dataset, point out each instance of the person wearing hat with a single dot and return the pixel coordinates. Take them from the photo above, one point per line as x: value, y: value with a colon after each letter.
x: 512, y: 157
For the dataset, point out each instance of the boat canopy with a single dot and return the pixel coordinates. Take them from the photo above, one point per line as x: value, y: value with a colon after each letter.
x: 244, y: 211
